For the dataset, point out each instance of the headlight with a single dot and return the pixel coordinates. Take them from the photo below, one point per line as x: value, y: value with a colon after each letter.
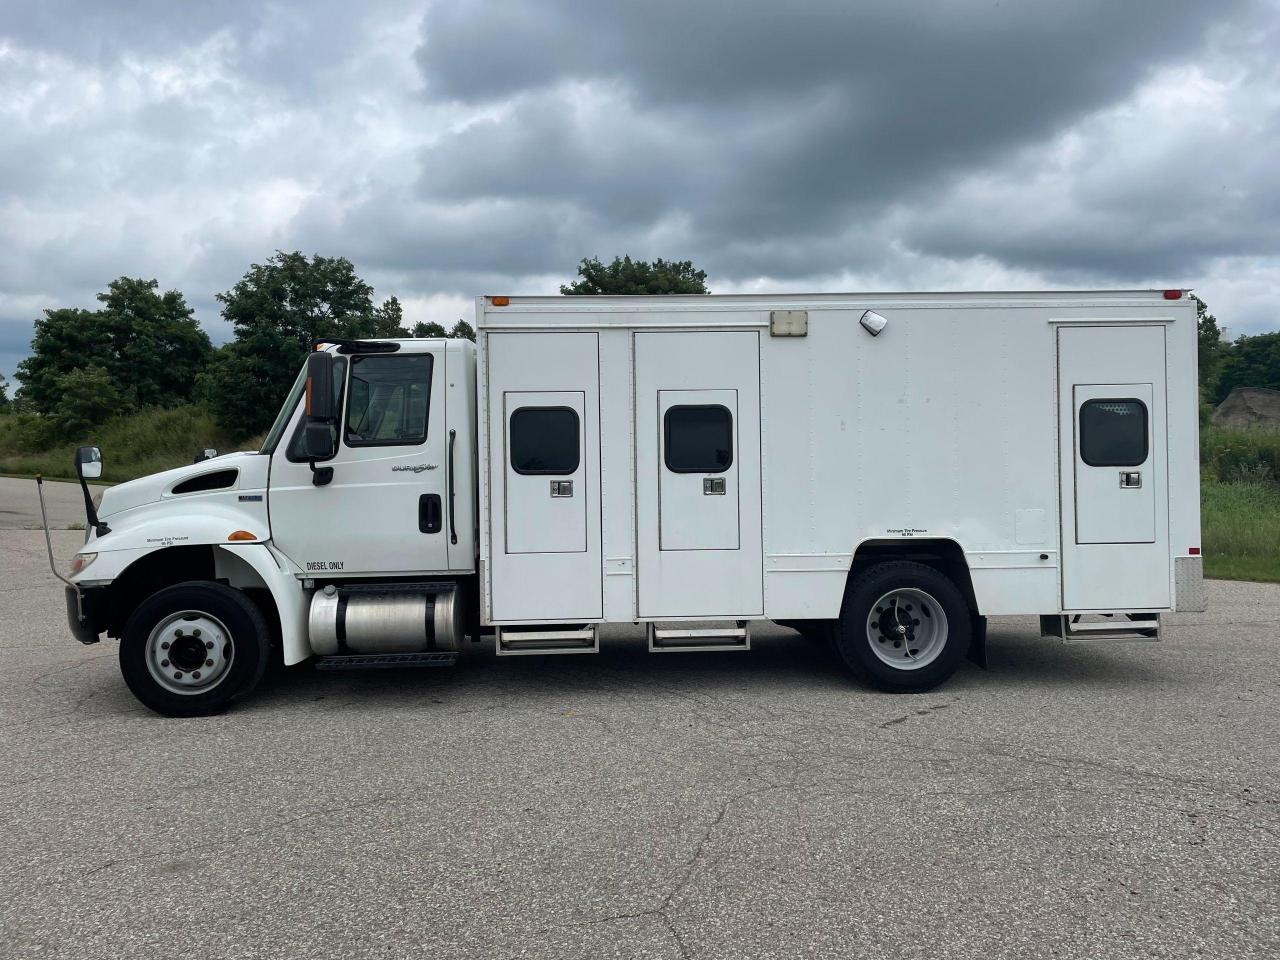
x: 80, y: 561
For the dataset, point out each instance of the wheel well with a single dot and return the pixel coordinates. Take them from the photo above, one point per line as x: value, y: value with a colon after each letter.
x: 153, y: 572
x: 945, y: 556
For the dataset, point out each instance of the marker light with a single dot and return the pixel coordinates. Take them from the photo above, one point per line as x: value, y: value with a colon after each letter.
x: 500, y: 301
x: 80, y: 561
x: 242, y: 535
x: 1193, y: 551
x: 1173, y: 294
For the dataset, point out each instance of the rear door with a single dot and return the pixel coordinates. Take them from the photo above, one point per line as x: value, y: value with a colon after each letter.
x: 1112, y: 434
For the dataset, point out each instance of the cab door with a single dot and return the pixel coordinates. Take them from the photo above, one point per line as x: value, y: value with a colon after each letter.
x: 385, y: 508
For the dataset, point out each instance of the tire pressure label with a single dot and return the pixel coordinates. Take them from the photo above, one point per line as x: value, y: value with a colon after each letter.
x: 314, y: 566
x: 906, y: 531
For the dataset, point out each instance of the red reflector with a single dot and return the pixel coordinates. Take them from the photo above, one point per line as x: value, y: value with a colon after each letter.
x: 1193, y: 551
x: 1173, y: 294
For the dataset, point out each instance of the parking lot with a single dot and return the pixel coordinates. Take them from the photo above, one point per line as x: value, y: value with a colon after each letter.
x: 1070, y: 801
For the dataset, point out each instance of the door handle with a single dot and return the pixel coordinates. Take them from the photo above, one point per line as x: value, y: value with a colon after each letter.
x: 1130, y: 479
x: 562, y: 488
x: 429, y: 513
x: 453, y: 526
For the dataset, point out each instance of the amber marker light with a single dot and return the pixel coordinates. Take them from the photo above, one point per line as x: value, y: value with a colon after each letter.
x: 242, y: 535
x: 500, y: 301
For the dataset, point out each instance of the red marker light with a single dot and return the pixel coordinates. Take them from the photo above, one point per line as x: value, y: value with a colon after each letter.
x: 1173, y: 294
x: 1193, y: 551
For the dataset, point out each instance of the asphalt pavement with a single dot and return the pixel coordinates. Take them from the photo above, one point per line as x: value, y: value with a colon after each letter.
x: 20, y: 504
x: 1071, y: 801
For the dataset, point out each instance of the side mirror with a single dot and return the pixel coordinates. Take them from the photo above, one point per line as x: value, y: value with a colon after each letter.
x: 88, y: 463
x: 318, y: 436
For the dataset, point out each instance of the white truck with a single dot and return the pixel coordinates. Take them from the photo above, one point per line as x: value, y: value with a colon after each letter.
x: 884, y: 471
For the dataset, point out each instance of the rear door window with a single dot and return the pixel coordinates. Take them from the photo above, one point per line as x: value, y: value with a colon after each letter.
x: 1113, y: 433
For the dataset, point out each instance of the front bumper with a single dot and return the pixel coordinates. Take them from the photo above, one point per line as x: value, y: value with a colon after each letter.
x: 95, y: 607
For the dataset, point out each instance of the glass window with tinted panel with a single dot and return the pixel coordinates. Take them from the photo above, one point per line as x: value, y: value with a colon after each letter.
x: 545, y: 440
x: 1113, y: 433
x: 698, y: 438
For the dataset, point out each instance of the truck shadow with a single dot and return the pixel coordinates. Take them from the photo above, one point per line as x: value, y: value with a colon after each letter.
x: 775, y: 662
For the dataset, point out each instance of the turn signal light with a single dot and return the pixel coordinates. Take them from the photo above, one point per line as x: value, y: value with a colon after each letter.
x: 80, y: 561
x: 242, y: 535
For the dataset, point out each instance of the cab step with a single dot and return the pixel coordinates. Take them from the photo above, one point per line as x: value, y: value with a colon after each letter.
x: 514, y: 641
x: 689, y: 639
x: 386, y: 661
x: 1093, y: 628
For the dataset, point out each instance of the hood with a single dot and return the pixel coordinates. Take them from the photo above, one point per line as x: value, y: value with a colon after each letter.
x: 149, y: 489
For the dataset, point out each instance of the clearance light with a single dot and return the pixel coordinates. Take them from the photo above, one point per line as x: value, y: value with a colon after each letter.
x: 500, y: 301
x: 80, y: 561
x: 242, y: 535
x: 1173, y: 294
x: 1193, y: 551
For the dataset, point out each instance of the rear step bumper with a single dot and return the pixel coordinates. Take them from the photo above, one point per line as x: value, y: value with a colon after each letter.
x: 1093, y: 628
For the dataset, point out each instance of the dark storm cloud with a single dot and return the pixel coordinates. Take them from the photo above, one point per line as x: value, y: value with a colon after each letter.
x: 460, y: 147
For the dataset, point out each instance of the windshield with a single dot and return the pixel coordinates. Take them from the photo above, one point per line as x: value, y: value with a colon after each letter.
x: 286, y: 411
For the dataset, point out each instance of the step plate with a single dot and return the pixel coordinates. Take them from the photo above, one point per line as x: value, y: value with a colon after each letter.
x: 514, y: 642
x: 386, y: 661
x: 698, y: 639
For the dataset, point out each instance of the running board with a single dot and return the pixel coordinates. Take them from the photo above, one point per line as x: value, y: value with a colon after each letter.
x: 386, y: 661
x: 516, y: 641
x: 1117, y: 627
x: 694, y: 639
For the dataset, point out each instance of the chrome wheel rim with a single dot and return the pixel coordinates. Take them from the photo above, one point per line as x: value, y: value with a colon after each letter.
x: 189, y: 652
x: 907, y: 629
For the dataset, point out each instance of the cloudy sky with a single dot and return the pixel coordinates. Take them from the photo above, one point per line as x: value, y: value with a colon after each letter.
x: 454, y: 148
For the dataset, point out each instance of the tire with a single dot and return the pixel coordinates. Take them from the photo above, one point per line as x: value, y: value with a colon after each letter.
x: 904, y: 627
x: 174, y: 636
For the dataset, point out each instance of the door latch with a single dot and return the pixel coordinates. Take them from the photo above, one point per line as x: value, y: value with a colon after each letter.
x: 1130, y: 479
x: 562, y: 488
x: 713, y: 486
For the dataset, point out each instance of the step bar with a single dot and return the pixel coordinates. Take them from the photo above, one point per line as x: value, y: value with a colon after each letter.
x: 1118, y: 627
x: 517, y: 641
x: 386, y: 661
x: 681, y: 639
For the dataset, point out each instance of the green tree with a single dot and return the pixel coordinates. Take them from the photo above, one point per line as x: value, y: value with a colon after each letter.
x: 1212, y: 348
x: 86, y: 398
x: 633, y: 277
x: 1251, y: 362
x: 463, y: 331
x: 424, y: 330
x: 276, y: 311
x: 5, y: 403
x: 148, y: 343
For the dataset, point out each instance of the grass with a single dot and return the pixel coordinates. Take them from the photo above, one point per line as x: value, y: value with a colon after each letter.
x: 145, y: 442
x: 1240, y: 525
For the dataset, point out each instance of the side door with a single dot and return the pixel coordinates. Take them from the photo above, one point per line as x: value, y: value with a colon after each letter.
x: 1111, y: 396
x: 544, y: 470
x: 385, y: 509
x: 698, y: 510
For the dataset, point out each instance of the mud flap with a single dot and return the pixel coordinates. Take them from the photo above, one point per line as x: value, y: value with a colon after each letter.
x: 978, y: 640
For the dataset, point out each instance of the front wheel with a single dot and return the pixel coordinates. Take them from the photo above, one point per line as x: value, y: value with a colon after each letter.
x: 190, y: 649
x: 904, y: 627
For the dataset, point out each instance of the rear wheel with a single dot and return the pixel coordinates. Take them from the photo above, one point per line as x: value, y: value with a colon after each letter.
x: 190, y: 649
x: 904, y: 627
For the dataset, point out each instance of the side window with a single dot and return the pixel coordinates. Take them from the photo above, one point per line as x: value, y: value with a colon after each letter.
x: 545, y: 440
x: 1113, y: 433
x: 699, y: 439
x: 389, y: 400
x: 294, y: 452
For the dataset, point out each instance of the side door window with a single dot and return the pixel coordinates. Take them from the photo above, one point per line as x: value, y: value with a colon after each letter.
x: 388, y: 400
